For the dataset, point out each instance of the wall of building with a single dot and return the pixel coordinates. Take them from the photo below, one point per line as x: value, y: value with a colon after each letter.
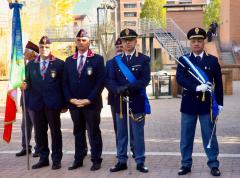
x: 186, y: 21
x: 128, y: 7
x: 235, y: 20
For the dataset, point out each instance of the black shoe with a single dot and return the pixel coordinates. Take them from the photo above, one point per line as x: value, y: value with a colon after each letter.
x: 76, y: 165
x: 95, y: 166
x: 35, y: 154
x: 142, y: 168
x: 119, y: 167
x: 184, y: 170
x: 40, y: 164
x: 23, y: 152
x: 56, y: 166
x: 215, y: 171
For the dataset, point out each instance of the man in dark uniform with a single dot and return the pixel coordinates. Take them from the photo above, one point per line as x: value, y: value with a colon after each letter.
x: 30, y: 53
x: 111, y: 96
x: 44, y: 80
x: 138, y: 65
x: 196, y: 102
x: 84, y: 74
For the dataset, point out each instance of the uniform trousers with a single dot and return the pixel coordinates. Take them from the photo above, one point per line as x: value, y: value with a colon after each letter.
x: 90, y: 118
x: 188, y: 127
x: 42, y: 119
x: 137, y: 134
x: 30, y: 125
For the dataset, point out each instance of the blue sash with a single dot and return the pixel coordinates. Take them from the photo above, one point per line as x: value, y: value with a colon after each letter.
x: 131, y: 79
x: 204, y: 78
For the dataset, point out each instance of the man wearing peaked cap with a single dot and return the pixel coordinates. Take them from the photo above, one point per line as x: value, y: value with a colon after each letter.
x: 196, y: 101
x: 83, y: 80
x: 135, y: 66
x: 30, y: 53
x: 196, y: 33
x: 44, y: 81
x: 128, y: 33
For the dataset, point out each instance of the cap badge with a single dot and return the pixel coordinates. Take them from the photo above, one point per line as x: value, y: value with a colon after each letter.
x: 127, y: 31
x: 196, y: 30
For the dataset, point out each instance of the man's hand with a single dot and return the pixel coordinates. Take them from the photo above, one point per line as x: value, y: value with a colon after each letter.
x: 83, y: 102
x: 23, y: 86
x: 64, y: 110
x: 220, y: 108
x: 122, y: 90
x: 203, y: 87
x: 73, y: 101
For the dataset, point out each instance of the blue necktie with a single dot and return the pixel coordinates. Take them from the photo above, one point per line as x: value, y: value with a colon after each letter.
x: 128, y: 58
x: 198, y: 59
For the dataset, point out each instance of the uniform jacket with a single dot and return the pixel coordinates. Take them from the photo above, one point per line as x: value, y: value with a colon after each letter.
x: 109, y: 68
x: 48, y: 92
x: 191, y: 100
x: 140, y: 67
x: 91, y: 82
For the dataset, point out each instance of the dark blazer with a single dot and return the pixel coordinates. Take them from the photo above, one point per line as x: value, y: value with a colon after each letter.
x: 139, y: 65
x: 48, y: 92
x: 109, y: 68
x: 91, y: 82
x: 191, y: 100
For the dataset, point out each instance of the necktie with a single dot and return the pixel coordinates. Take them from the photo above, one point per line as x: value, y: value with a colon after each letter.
x: 80, y: 66
x: 198, y: 59
x: 43, y: 69
x: 128, y: 57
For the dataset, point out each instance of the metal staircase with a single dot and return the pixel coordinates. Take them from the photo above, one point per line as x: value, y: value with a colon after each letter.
x: 172, y: 38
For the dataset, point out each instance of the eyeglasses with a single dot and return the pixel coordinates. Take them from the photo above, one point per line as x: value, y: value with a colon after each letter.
x: 81, y: 40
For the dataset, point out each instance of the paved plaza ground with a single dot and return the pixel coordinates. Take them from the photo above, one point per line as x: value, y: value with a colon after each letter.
x: 162, y: 146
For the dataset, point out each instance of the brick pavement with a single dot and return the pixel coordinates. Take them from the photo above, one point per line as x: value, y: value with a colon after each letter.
x: 162, y: 145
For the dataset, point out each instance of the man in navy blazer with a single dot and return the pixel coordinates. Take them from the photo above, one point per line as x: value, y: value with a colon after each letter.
x: 196, y: 102
x: 44, y: 80
x: 30, y: 53
x: 84, y: 74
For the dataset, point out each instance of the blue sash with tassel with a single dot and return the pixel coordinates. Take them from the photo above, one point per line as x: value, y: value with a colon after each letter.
x: 200, y: 74
x: 131, y: 79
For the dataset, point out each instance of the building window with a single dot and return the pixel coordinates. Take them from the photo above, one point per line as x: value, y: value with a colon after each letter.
x: 130, y: 14
x: 130, y: 23
x: 185, y: 2
x: 130, y: 5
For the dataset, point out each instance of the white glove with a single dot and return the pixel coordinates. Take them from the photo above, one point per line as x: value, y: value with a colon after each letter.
x: 203, y: 87
x: 220, y: 108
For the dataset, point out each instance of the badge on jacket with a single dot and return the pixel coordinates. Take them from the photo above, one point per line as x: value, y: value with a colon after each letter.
x: 53, y: 73
x: 89, y: 70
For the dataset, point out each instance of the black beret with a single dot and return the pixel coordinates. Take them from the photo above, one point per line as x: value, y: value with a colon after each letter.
x: 44, y: 40
x: 118, y: 42
x: 32, y: 46
x: 128, y: 33
x: 82, y: 33
x: 196, y: 32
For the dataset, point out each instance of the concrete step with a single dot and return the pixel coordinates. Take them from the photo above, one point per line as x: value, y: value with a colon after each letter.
x: 227, y: 58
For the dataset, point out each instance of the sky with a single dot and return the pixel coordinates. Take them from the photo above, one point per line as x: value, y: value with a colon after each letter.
x: 88, y: 7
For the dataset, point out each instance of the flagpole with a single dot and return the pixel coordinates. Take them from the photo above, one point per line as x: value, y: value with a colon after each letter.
x: 25, y: 128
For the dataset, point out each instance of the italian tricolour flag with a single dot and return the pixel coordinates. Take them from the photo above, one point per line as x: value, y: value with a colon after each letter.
x: 17, y: 72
